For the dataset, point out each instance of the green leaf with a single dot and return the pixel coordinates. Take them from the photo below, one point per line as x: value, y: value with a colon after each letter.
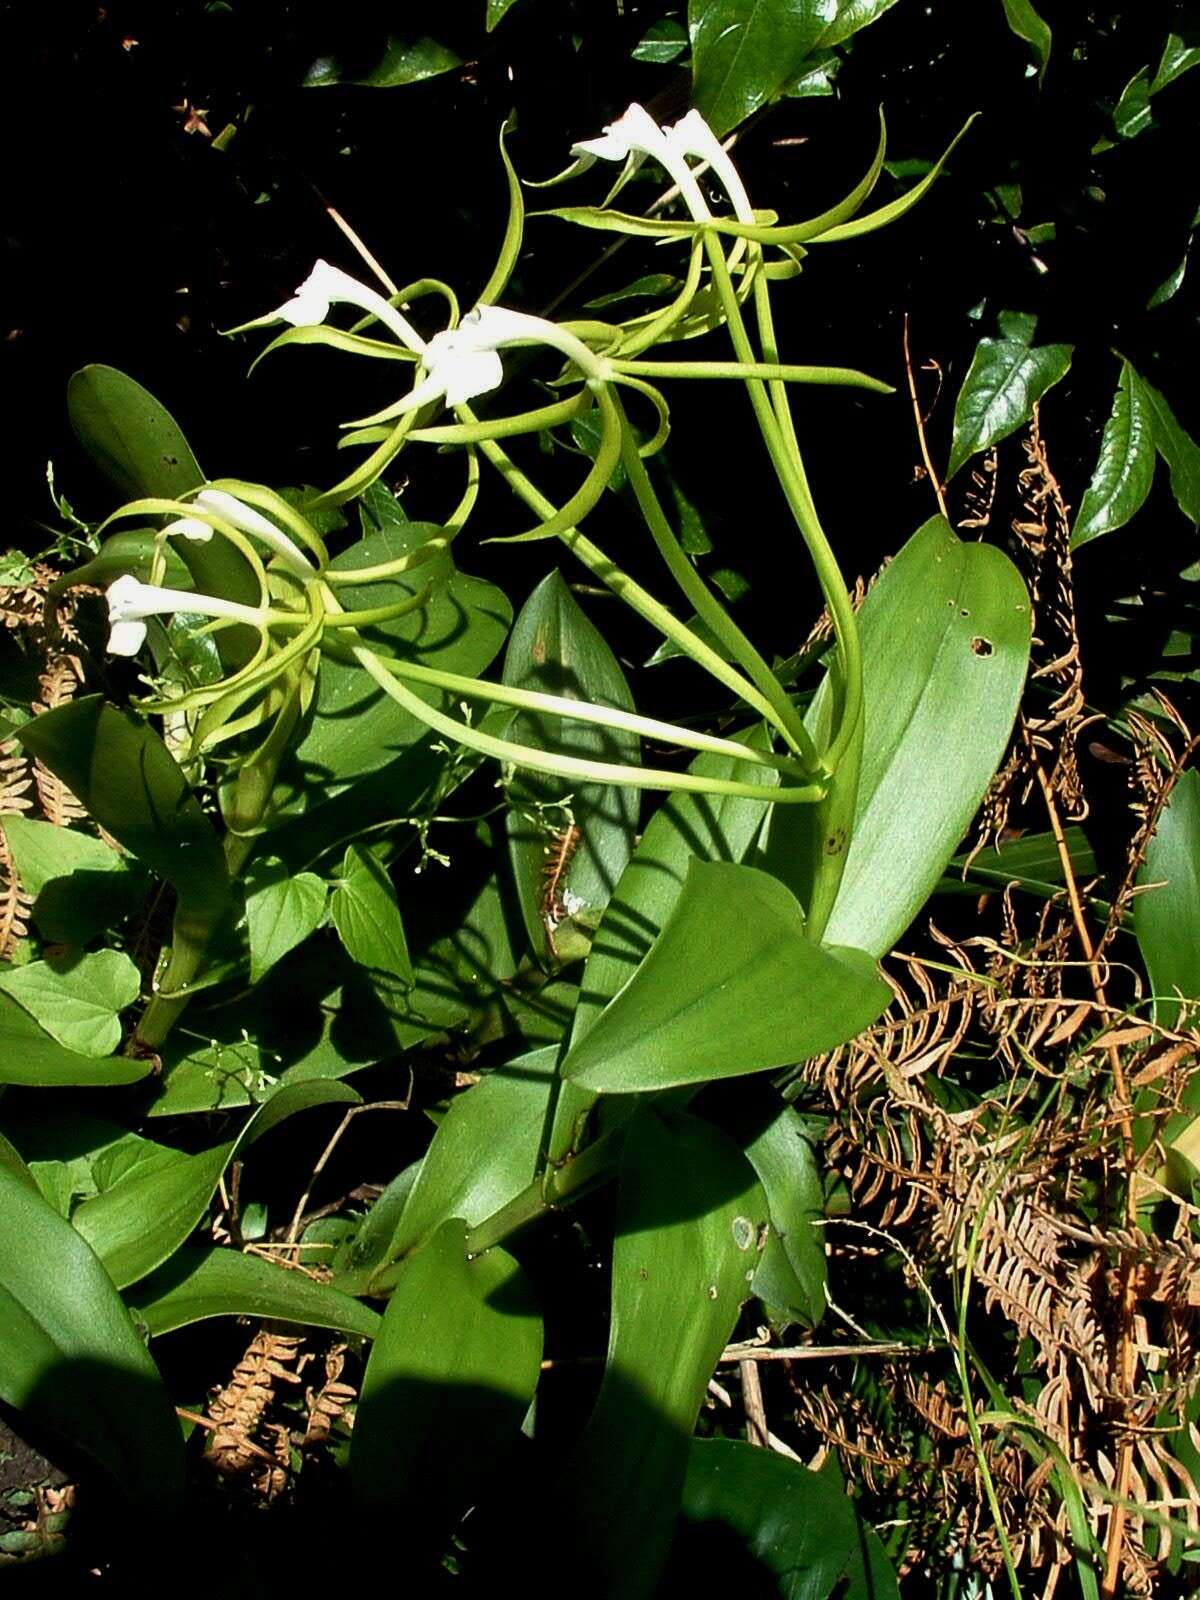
x: 366, y: 914
x: 199, y: 1282
x: 77, y: 1000
x: 132, y: 786
x: 1031, y: 862
x: 402, y: 60
x: 1177, y: 58
x: 688, y: 827
x: 945, y: 636
x: 662, y: 42
x: 689, y: 1215
x: 1125, y: 470
x: 791, y: 1271
x: 731, y: 985
x: 852, y: 16
x: 751, y: 1517
x: 1179, y: 450
x: 1025, y: 22
x: 1006, y: 380
x: 130, y: 436
x: 281, y: 915
x: 30, y: 1057
x: 555, y: 649
x: 150, y: 1210
x: 652, y: 286
x: 497, y: 10
x: 1166, y: 913
x: 745, y: 51
x: 484, y: 1153
x: 81, y: 886
x: 450, y: 1377
x: 69, y: 1357
x: 355, y: 729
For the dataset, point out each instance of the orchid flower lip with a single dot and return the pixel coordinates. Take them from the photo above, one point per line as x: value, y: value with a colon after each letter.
x: 327, y: 285
x: 188, y: 528
x: 130, y: 602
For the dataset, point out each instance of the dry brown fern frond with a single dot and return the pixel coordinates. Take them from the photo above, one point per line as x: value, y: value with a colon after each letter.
x: 59, y: 682
x: 1046, y: 734
x: 329, y: 1403
x: 243, y: 1444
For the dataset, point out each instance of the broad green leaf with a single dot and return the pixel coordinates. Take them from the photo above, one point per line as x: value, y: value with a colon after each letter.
x: 77, y: 1001
x: 371, y: 1245
x: 1005, y: 381
x: 1125, y: 470
x: 1177, y: 58
x: 450, y: 1377
x: 279, y: 916
x: 751, y: 1517
x: 140, y: 448
x: 355, y: 729
x: 852, y: 15
x: 688, y: 827
x: 1166, y: 918
x: 496, y: 12
x: 689, y: 1216
x: 132, y: 786
x: 791, y: 1271
x: 81, y: 886
x: 731, y: 985
x: 485, y: 1151
x: 662, y: 42
x: 31, y: 1058
x: 1025, y: 22
x: 366, y: 914
x: 1179, y: 450
x: 69, y: 1357
x: 130, y: 436
x: 945, y: 634
x: 151, y: 1209
x: 745, y: 51
x: 555, y: 649
x: 402, y: 60
x: 1132, y: 114
x: 199, y: 1282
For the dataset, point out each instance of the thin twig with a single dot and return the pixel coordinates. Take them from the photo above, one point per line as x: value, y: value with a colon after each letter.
x: 354, y: 1111
x: 1127, y: 1301
x: 757, y: 1431
x: 920, y: 421
x: 336, y: 216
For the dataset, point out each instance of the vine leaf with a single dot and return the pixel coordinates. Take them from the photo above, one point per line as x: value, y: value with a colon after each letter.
x: 1125, y: 469
x: 1006, y: 380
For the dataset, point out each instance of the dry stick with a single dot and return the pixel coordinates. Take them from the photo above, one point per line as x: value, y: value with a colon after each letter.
x: 354, y: 1111
x: 336, y: 216
x: 1115, y: 1541
x: 757, y: 1431
x: 920, y: 422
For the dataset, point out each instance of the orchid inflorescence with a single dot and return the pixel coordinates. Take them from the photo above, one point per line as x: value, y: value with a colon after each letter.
x: 275, y: 549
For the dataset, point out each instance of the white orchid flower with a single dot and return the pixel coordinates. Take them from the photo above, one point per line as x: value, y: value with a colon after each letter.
x: 130, y: 602
x: 188, y: 528
x: 327, y: 285
x: 247, y: 520
x: 636, y: 133
x: 463, y: 362
x: 692, y: 136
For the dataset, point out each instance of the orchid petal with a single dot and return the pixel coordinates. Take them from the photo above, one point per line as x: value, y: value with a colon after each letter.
x: 188, y: 528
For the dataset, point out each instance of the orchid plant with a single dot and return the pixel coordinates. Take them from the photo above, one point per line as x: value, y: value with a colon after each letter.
x: 733, y: 263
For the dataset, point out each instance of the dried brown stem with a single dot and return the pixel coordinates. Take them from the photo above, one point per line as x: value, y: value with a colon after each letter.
x: 920, y: 422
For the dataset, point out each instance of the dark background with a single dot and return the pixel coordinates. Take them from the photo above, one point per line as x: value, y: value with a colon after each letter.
x: 131, y: 241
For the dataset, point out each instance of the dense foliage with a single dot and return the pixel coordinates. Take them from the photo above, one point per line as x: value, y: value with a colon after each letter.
x: 599, y: 910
